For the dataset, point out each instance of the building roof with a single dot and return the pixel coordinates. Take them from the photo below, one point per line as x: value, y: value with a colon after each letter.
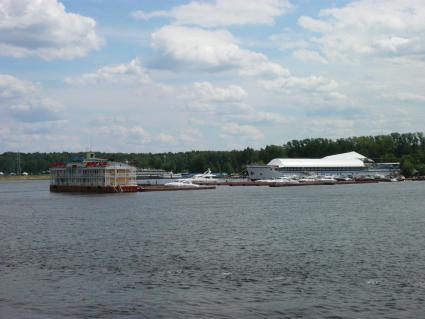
x: 348, y: 156
x: 350, y: 159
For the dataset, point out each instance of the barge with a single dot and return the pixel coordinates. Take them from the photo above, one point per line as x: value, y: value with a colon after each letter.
x: 92, y: 175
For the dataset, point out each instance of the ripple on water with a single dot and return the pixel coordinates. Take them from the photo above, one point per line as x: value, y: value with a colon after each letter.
x: 353, y: 251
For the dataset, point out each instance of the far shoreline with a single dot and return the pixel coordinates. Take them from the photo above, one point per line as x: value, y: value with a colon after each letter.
x: 24, y: 178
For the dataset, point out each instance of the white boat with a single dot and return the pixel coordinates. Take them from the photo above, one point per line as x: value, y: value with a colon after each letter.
x: 286, y: 180
x: 308, y: 179
x: 280, y: 180
x: 326, y: 179
x: 205, y: 177
x: 343, y: 178
x: 181, y: 183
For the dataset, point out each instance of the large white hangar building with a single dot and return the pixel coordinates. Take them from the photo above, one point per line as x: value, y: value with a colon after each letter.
x: 351, y: 164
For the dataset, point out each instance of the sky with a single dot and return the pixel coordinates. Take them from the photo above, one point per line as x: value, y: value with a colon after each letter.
x: 160, y: 76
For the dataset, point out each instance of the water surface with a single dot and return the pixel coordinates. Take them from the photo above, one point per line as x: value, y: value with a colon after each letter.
x: 346, y: 251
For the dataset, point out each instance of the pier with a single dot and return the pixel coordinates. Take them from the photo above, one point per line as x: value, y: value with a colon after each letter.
x: 277, y: 184
x: 213, y: 185
x: 165, y: 188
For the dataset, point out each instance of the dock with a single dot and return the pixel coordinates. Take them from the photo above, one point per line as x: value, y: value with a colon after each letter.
x: 276, y: 184
x: 213, y: 185
x: 165, y: 188
x: 323, y: 183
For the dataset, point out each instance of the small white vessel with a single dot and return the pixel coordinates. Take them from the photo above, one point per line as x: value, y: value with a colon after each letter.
x: 326, y: 179
x: 286, y: 180
x: 280, y: 180
x: 182, y: 183
x: 205, y: 177
x: 308, y: 179
x: 343, y: 178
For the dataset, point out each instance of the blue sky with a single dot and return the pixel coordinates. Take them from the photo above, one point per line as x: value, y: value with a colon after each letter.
x: 153, y: 76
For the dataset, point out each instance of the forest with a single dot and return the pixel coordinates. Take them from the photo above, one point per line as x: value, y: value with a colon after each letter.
x: 406, y: 148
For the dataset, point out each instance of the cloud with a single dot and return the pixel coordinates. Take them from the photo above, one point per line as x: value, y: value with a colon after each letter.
x: 29, y: 136
x: 209, y: 93
x: 127, y: 132
x: 43, y: 28
x: 216, y: 100
x: 267, y: 117
x: 36, y: 110
x: 314, y: 24
x: 132, y: 71
x: 204, y: 96
x: 403, y: 97
x: 311, y: 86
x: 290, y: 40
x: 212, y: 51
x: 222, y: 13
x: 190, y: 135
x: 247, y: 132
x: 23, y: 101
x: 308, y: 55
x: 363, y: 29
x: 12, y: 88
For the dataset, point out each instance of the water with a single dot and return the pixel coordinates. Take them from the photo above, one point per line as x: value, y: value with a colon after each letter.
x: 347, y: 251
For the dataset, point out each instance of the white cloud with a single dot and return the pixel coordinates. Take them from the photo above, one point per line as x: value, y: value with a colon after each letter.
x: 305, y: 85
x: 289, y: 40
x: 190, y: 135
x: 165, y: 138
x: 4, y: 132
x: 43, y: 28
x: 221, y: 13
x: 403, y: 97
x: 314, y: 24
x: 11, y: 87
x: 308, y: 55
x: 381, y: 29
x: 247, y: 132
x: 205, y: 91
x: 132, y: 71
x: 269, y: 117
x: 206, y: 97
x: 23, y: 101
x: 127, y: 133
x: 29, y: 136
x: 194, y: 48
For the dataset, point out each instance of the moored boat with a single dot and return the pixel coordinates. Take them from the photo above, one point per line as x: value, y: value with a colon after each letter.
x: 182, y: 183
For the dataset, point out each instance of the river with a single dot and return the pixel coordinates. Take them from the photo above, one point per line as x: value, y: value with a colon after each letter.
x: 339, y: 251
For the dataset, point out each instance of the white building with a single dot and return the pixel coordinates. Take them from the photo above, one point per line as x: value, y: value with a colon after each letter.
x: 345, y: 164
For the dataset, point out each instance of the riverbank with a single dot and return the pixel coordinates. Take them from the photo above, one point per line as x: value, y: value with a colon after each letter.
x: 24, y: 178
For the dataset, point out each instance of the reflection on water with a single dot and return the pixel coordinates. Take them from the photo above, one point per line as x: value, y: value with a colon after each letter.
x: 351, y: 251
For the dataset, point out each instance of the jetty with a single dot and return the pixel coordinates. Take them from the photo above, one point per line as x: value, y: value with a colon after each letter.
x: 165, y: 188
x: 279, y: 184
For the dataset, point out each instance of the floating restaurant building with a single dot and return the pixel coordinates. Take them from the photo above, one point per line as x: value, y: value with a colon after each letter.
x: 349, y: 164
x: 92, y: 174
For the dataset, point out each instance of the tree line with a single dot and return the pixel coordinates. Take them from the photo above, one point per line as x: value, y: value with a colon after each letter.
x: 408, y: 149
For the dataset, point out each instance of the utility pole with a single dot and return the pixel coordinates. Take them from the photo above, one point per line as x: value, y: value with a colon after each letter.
x: 18, y: 164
